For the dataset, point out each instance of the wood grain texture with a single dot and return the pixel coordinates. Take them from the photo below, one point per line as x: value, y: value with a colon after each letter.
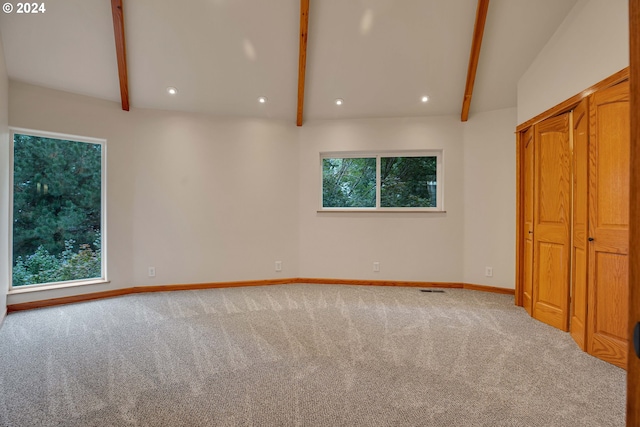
x: 633, y: 367
x: 580, y: 252
x: 144, y: 289
x: 474, y: 56
x: 492, y: 289
x: 302, y: 57
x: 609, y: 146
x: 527, y: 233
x: 519, y: 279
x: 571, y: 103
x: 330, y: 281
x: 121, y: 51
x: 561, y: 108
x: 552, y: 222
x: 213, y: 285
x: 67, y: 300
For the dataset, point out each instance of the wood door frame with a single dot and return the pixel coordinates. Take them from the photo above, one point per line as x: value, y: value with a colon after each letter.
x: 633, y: 367
x: 561, y: 108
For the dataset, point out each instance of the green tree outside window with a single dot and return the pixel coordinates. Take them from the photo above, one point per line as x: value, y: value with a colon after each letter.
x: 57, y: 208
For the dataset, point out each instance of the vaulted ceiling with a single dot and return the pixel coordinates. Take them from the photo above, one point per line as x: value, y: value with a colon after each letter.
x: 379, y: 56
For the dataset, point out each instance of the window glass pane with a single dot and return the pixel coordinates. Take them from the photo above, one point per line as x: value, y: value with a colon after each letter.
x: 349, y: 183
x: 57, y: 199
x: 408, y: 182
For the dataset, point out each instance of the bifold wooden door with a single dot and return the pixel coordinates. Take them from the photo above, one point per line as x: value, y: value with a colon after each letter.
x: 580, y: 254
x: 528, y: 170
x: 609, y: 224
x: 633, y: 373
x: 552, y: 221
x: 574, y: 222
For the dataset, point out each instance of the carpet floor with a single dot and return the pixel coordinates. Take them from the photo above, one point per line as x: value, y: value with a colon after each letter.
x: 300, y: 355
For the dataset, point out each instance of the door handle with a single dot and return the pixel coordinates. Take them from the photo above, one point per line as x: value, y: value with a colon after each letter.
x: 636, y: 339
x: 530, y: 232
x: 591, y: 239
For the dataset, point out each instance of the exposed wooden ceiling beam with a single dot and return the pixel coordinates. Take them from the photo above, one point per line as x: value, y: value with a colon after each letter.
x: 121, y: 51
x: 478, y: 32
x: 302, y: 59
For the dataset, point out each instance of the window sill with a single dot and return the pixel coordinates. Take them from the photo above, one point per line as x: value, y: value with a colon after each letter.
x: 58, y: 285
x: 394, y: 210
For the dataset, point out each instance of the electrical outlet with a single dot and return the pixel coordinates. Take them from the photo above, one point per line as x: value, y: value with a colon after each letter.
x: 152, y: 272
x: 376, y: 267
x: 488, y: 271
x: 278, y: 265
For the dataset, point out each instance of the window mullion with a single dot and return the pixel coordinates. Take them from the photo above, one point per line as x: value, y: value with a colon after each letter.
x: 378, y: 179
x: 413, y: 181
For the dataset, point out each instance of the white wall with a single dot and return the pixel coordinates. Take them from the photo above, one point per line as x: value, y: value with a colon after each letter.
x: 4, y: 184
x: 490, y: 198
x: 207, y: 200
x: 591, y: 44
x: 408, y: 246
x: 200, y: 199
x: 222, y: 195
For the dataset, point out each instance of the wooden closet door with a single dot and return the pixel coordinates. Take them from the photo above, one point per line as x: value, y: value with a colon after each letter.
x: 552, y: 220
x: 580, y: 253
x: 529, y: 153
x: 633, y: 373
x: 609, y: 224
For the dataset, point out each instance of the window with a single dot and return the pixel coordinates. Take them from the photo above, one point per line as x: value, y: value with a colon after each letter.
x: 58, y: 213
x: 349, y: 182
x: 382, y: 181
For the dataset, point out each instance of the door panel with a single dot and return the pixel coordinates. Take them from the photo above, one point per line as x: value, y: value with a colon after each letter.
x: 609, y: 224
x: 550, y: 267
x: 608, y: 341
x: 633, y: 373
x: 528, y: 220
x: 580, y: 224
x: 612, y: 267
x: 552, y: 217
x: 579, y: 297
x: 613, y: 165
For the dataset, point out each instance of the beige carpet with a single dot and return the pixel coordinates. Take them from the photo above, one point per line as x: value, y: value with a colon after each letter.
x: 300, y: 355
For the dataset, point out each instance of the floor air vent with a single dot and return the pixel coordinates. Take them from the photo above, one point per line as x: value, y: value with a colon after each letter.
x: 439, y: 291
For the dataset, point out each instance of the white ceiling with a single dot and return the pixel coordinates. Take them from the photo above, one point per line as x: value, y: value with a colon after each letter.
x: 380, y: 56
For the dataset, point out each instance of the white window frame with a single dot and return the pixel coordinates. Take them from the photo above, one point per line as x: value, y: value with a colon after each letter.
x: 103, y: 210
x: 378, y: 155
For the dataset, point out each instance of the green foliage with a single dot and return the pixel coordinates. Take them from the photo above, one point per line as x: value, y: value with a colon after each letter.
x: 57, y: 202
x: 349, y: 182
x: 81, y: 263
x: 406, y: 181
x: 42, y: 267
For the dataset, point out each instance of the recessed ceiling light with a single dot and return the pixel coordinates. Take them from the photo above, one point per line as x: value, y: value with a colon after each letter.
x: 262, y: 99
x: 339, y: 101
x: 172, y: 90
x: 425, y: 98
